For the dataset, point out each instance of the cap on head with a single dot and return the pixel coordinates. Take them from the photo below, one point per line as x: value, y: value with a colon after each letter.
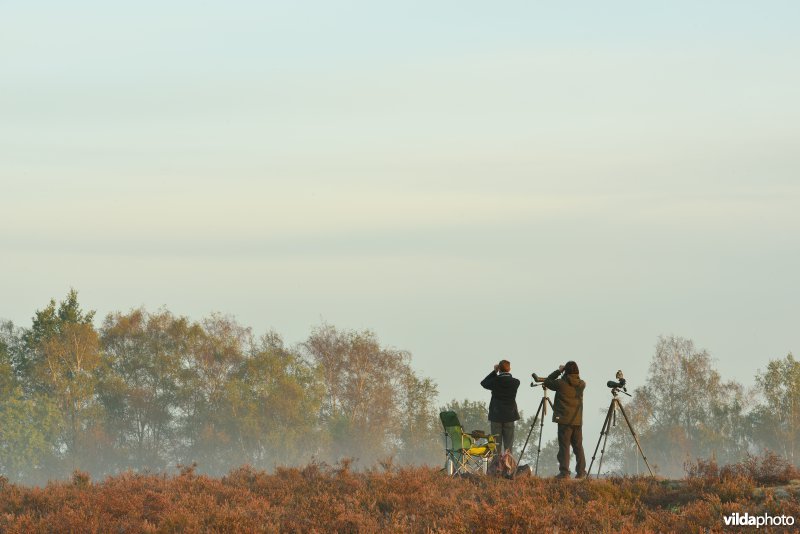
x: 504, y: 366
x: 571, y: 368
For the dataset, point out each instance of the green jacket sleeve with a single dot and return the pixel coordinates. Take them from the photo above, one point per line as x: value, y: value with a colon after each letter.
x: 551, y: 382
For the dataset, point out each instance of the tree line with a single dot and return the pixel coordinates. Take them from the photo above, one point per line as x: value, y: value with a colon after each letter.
x: 151, y: 390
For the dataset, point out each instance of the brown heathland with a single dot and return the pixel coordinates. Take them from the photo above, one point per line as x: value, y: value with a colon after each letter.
x: 322, y: 498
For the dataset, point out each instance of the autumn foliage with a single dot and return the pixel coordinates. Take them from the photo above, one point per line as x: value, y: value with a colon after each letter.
x: 319, y: 497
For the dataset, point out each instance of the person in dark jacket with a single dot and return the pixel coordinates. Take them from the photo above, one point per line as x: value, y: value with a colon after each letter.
x: 568, y: 413
x: 503, y: 406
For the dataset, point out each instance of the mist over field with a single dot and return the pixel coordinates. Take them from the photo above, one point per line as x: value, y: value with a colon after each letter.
x: 147, y: 391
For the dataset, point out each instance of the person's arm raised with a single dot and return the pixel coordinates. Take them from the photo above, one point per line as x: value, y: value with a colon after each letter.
x: 490, y: 379
x: 551, y: 382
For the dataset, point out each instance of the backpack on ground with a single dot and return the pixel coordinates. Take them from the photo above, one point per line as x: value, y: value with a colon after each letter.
x: 503, y: 465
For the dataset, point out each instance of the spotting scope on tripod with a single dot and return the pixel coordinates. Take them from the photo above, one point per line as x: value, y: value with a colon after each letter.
x: 611, y: 420
x: 537, y: 381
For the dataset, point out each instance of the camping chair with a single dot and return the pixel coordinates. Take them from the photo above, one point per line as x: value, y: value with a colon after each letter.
x: 465, y: 453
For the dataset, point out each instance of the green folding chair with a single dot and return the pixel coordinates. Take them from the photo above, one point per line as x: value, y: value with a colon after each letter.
x: 465, y: 453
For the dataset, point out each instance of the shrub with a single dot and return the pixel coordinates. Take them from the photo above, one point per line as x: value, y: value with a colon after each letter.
x: 767, y: 469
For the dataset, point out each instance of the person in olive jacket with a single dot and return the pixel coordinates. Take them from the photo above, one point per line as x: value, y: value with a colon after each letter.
x: 568, y: 413
x: 503, y: 406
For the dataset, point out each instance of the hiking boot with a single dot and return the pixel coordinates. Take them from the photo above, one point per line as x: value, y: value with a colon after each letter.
x: 581, y: 475
x: 562, y: 475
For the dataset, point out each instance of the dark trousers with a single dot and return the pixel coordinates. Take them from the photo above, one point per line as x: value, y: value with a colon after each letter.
x: 571, y: 435
x: 506, y: 433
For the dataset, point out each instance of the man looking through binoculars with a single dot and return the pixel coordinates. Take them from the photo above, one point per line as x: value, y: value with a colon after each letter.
x: 503, y: 406
x: 568, y: 413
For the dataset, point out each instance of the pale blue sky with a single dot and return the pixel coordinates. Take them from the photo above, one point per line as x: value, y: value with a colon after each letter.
x: 473, y: 181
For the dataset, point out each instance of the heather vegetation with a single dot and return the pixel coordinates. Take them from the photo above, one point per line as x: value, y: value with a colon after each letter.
x: 142, y: 391
x: 319, y: 497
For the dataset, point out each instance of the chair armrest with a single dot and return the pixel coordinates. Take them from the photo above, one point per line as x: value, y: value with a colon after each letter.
x: 470, y: 441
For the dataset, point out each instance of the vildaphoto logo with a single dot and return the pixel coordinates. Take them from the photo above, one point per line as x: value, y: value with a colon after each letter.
x: 763, y: 520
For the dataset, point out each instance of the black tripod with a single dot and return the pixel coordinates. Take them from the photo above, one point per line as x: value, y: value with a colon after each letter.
x: 543, y: 409
x: 611, y: 420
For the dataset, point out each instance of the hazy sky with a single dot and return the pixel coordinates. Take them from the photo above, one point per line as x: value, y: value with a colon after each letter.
x: 529, y: 180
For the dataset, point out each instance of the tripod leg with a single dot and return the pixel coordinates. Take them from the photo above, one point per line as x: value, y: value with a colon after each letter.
x: 603, y: 432
x: 533, y: 425
x: 541, y: 431
x: 612, y: 422
x: 636, y: 439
